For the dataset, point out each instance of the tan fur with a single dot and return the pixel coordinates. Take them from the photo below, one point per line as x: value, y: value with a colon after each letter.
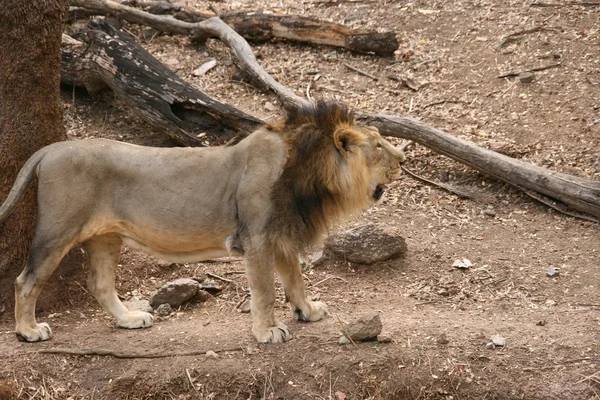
x: 267, y: 197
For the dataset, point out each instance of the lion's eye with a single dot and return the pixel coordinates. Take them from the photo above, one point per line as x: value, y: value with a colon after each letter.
x: 379, y: 146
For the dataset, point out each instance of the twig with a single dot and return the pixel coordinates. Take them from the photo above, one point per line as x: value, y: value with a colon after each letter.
x: 553, y: 205
x: 406, y: 145
x: 573, y: 3
x: 342, y: 329
x: 190, y: 379
x: 435, y: 103
x: 224, y: 260
x: 593, y: 377
x: 219, y: 278
x: 361, y: 72
x: 513, y: 37
x: 448, y: 188
x: 508, y: 74
x: 326, y: 279
x: 126, y: 354
x: 308, y: 90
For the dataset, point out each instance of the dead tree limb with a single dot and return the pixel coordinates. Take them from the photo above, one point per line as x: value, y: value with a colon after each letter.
x: 251, y: 26
x: 107, y: 58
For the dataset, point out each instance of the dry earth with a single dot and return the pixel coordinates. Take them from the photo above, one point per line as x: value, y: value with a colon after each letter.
x: 440, y: 318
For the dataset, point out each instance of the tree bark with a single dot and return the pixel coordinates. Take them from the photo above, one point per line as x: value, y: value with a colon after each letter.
x: 108, y: 58
x: 252, y: 26
x: 30, y: 112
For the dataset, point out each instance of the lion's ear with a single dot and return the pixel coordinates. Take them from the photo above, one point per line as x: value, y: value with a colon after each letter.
x: 345, y: 139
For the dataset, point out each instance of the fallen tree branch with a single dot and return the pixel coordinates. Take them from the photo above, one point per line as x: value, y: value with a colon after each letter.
x: 449, y: 188
x: 251, y: 26
x: 127, y: 354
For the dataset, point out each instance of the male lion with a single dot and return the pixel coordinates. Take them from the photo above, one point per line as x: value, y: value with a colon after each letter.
x: 267, y: 198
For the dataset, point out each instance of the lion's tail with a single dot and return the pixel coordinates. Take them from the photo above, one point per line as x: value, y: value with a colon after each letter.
x: 24, y: 179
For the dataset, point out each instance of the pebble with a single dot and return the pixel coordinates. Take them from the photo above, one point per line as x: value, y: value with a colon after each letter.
x: 384, y: 338
x: 367, y: 327
x: 246, y: 306
x: 344, y: 340
x: 175, y: 292
x: 212, y: 354
x: 526, y: 77
x: 164, y: 310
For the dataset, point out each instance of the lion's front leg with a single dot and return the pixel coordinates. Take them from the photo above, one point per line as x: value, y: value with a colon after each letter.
x: 265, y: 327
x: 291, y: 276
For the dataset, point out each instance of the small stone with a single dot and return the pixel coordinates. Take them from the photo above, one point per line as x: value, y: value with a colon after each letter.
x: 465, y: 263
x: 367, y: 327
x: 211, y: 288
x: 384, y: 338
x: 203, y: 296
x: 442, y: 339
x: 175, y: 292
x: 204, y: 68
x: 526, y: 77
x: 490, y: 345
x: 340, y: 396
x: 344, y: 340
x: 245, y: 307
x: 138, y: 305
x: 212, y: 354
x: 550, y: 303
x: 489, y: 212
x: 552, y: 272
x: 541, y: 323
x: 164, y: 310
x: 250, y: 350
x: 172, y: 63
x: 318, y: 259
x: 498, y: 340
x: 270, y: 106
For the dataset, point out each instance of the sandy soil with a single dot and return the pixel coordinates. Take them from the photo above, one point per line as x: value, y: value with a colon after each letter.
x: 440, y: 318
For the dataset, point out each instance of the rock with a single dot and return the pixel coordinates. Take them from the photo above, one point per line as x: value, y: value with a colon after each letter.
x: 203, y: 296
x: 499, y: 341
x: 318, y: 259
x: 172, y: 64
x: 344, y: 340
x: 442, y: 339
x: 384, y: 338
x: 541, y: 323
x: 175, y: 293
x: 366, y: 244
x: 526, y: 77
x: 204, y: 68
x: 490, y: 212
x: 212, y: 354
x: 340, y: 395
x: 138, y: 305
x: 245, y: 307
x: 552, y: 272
x: 164, y: 310
x: 465, y: 263
x: 367, y: 327
x: 270, y: 106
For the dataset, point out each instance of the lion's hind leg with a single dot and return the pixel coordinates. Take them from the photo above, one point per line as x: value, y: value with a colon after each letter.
x: 44, y: 256
x: 104, y: 252
x: 290, y: 273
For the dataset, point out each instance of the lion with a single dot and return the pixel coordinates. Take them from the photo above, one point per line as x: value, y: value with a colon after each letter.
x: 267, y: 198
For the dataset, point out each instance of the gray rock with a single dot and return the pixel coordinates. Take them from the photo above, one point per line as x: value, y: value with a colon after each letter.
x: 246, y: 306
x: 367, y: 327
x: 526, y: 77
x: 366, y: 244
x: 174, y: 293
x: 344, y: 340
x: 164, y: 310
x: 384, y: 338
x: 138, y: 305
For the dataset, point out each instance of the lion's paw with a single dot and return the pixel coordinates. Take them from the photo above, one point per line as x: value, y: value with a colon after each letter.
x: 274, y: 334
x: 318, y: 310
x: 135, y: 320
x: 40, y: 333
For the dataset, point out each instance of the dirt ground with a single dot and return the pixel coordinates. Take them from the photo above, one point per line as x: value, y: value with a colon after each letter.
x: 440, y: 318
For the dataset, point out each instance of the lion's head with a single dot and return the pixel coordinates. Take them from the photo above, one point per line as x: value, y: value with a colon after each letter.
x: 334, y: 167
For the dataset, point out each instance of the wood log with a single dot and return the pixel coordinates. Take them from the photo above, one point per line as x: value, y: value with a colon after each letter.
x: 252, y: 26
x: 107, y: 58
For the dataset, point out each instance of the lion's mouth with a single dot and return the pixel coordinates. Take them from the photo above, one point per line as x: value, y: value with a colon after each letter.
x: 379, y: 191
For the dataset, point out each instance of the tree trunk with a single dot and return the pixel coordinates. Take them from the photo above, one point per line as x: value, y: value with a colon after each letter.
x: 108, y: 58
x: 30, y: 113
